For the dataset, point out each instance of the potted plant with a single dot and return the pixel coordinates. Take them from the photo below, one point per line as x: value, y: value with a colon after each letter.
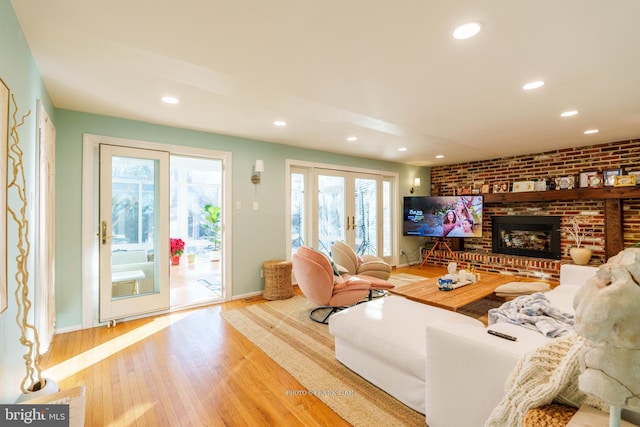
x: 177, y: 249
x: 579, y: 254
x: 212, y: 214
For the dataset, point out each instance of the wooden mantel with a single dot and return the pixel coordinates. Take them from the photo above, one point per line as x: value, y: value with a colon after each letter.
x: 612, y: 196
x: 606, y: 193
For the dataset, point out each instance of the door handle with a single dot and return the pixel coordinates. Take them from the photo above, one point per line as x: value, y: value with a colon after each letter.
x: 353, y: 222
x: 348, y: 225
x: 104, y: 233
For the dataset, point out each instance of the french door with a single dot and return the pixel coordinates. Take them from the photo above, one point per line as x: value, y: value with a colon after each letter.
x: 133, y: 233
x: 348, y: 210
x: 353, y: 207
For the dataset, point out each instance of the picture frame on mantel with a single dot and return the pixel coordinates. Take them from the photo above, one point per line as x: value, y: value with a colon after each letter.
x: 501, y: 187
x: 636, y: 174
x: 565, y: 183
x: 584, y: 178
x: 4, y: 144
x: 522, y: 186
x: 465, y: 189
x: 596, y: 181
x: 609, y: 176
x: 624, y: 180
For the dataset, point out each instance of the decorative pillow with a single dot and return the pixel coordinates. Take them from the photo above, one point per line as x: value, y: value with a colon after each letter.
x: 335, y: 267
x: 521, y: 288
x: 340, y: 269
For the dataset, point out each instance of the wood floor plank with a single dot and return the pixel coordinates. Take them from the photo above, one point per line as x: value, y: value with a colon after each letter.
x: 185, y: 369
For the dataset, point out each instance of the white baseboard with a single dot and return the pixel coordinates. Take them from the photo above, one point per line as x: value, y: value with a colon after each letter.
x: 409, y: 264
x: 247, y: 295
x: 68, y: 329
x: 254, y: 294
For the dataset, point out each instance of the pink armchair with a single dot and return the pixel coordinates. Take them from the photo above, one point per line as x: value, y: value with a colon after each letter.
x: 328, y: 289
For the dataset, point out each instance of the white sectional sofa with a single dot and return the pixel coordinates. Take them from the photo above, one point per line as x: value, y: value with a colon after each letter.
x: 441, y: 363
x: 383, y: 341
x: 466, y: 368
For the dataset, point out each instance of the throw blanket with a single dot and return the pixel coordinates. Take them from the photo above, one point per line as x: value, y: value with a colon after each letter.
x: 534, y: 312
x: 547, y: 374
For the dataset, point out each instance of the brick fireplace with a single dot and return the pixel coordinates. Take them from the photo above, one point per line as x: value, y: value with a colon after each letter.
x: 478, y: 253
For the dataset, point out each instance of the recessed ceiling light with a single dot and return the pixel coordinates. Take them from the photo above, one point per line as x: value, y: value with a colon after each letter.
x: 569, y: 113
x: 402, y: 149
x: 280, y: 123
x: 590, y: 131
x: 352, y: 138
x: 533, y: 85
x: 170, y: 100
x: 466, y: 31
x: 440, y: 156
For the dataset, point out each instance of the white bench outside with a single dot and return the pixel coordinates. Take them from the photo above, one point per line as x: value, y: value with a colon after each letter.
x: 133, y: 276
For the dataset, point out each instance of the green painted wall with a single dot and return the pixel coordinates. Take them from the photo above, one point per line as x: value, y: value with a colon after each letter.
x: 20, y: 73
x: 257, y: 235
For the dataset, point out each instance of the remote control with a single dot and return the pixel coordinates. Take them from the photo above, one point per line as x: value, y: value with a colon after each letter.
x: 501, y: 335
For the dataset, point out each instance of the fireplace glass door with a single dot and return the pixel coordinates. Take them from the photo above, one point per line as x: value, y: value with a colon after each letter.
x: 528, y: 236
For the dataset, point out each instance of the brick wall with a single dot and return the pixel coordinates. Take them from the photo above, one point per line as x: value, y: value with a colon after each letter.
x: 552, y: 164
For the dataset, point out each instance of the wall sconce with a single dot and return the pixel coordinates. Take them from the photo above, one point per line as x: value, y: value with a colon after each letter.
x: 257, y: 168
x: 416, y: 183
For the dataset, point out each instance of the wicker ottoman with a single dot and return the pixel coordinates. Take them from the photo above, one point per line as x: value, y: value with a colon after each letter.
x: 552, y: 415
x: 277, y: 280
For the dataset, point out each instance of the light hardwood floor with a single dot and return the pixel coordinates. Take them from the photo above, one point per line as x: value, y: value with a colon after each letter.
x: 185, y: 289
x: 188, y: 368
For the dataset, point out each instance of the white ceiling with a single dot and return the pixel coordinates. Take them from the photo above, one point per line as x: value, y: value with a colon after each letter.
x: 387, y: 72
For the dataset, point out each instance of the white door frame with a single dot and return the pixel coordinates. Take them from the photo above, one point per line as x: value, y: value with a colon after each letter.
x: 90, y: 179
x: 311, y: 232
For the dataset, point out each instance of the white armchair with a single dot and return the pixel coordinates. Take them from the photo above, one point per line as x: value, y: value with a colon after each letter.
x: 366, y: 265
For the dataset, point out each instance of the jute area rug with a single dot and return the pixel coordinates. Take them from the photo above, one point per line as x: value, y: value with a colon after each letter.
x: 283, y: 330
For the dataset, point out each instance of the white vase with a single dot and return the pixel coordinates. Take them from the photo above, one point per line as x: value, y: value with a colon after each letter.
x: 580, y: 256
x: 50, y: 387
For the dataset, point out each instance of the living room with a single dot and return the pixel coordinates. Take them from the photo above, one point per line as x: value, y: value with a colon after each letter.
x: 258, y: 233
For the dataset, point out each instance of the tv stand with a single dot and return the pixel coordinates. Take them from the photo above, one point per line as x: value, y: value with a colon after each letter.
x: 438, y: 245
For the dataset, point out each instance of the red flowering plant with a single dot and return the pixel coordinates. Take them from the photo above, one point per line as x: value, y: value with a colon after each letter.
x: 177, y: 246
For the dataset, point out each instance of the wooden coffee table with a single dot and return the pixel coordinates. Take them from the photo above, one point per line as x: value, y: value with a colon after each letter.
x: 427, y: 292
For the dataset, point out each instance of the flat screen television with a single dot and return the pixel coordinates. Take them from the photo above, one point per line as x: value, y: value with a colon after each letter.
x: 443, y: 216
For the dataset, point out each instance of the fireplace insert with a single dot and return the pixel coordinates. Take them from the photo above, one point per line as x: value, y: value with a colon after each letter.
x: 529, y: 236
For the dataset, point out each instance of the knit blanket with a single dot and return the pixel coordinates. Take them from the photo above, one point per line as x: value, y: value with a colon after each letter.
x: 547, y: 374
x: 533, y: 312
